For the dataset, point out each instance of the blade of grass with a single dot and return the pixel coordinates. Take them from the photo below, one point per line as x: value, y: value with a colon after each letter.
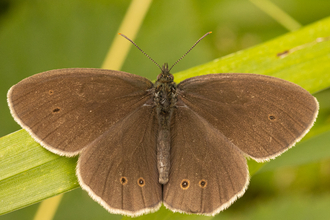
x: 129, y: 26
x: 29, y: 173
x: 48, y: 208
x: 277, y: 14
x: 307, y: 67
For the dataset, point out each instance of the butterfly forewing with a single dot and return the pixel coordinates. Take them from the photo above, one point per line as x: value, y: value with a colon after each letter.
x: 67, y: 109
x: 207, y: 171
x: 119, y: 169
x: 263, y: 116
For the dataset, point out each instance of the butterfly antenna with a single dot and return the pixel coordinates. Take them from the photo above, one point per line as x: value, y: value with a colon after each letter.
x: 190, y: 49
x: 140, y: 50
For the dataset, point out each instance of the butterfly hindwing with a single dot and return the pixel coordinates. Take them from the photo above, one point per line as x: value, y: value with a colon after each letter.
x: 119, y: 169
x: 207, y: 172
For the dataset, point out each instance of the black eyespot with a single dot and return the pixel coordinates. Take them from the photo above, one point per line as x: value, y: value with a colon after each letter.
x: 141, y: 182
x: 51, y: 92
x: 202, y: 183
x: 272, y: 117
x: 56, y: 110
x: 123, y: 180
x: 185, y: 184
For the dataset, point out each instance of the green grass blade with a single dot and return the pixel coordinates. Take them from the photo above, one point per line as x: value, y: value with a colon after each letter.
x: 308, y: 66
x: 29, y: 173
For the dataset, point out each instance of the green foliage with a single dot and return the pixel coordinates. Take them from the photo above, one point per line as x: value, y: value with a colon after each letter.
x: 79, y: 38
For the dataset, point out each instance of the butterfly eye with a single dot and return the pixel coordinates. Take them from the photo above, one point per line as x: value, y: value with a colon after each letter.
x: 123, y: 180
x: 185, y: 184
x: 51, y: 92
x: 202, y: 183
x: 56, y: 110
x: 141, y: 182
x: 272, y: 117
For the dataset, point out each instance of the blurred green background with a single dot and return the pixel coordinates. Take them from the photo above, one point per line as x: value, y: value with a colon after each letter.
x: 39, y: 35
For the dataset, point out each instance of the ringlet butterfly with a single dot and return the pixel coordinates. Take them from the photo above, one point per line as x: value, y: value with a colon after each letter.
x: 143, y: 144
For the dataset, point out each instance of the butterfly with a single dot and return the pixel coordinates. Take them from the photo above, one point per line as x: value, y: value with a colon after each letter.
x: 141, y: 144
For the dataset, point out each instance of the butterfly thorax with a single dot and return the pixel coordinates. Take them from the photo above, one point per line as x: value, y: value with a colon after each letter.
x: 165, y: 92
x: 165, y: 100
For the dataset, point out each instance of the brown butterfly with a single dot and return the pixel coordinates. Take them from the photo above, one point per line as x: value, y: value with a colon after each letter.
x: 143, y: 144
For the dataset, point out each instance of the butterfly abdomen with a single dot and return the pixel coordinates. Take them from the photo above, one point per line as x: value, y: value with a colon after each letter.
x: 164, y: 100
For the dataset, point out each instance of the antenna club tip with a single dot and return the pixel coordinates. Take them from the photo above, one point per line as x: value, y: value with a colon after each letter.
x: 210, y: 32
x: 119, y: 33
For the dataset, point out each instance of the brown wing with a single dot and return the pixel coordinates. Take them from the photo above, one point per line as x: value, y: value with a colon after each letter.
x: 119, y: 169
x: 67, y: 109
x: 263, y: 116
x: 207, y: 171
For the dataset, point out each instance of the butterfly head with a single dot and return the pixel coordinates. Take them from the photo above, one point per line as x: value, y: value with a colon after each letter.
x: 165, y: 76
